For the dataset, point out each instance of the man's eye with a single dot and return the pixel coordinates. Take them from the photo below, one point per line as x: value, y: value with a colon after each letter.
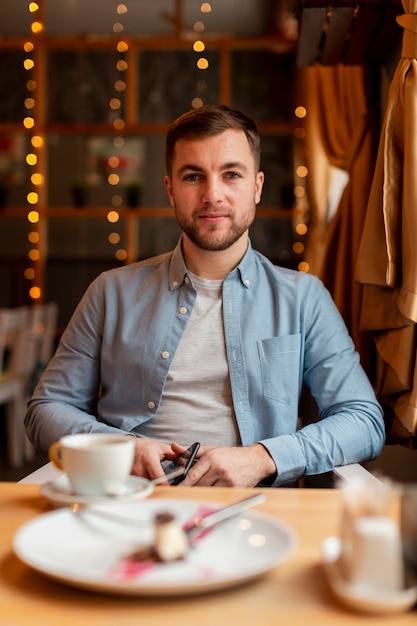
x: 192, y: 177
x: 232, y: 175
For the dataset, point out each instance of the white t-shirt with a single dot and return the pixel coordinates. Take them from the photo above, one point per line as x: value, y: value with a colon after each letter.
x: 197, y: 401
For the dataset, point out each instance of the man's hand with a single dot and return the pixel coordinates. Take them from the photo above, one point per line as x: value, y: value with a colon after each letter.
x: 148, y: 457
x: 227, y: 466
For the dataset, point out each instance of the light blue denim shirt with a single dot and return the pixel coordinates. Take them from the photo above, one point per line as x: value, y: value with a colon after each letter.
x: 281, y: 329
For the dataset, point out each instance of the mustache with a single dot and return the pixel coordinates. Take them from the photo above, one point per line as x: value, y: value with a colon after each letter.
x: 212, y: 211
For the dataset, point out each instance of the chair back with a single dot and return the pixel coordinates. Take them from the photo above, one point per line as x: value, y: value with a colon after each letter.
x: 40, y: 339
x: 26, y: 343
x: 27, y: 335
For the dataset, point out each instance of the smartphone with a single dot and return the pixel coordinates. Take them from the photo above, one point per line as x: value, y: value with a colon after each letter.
x: 184, y: 460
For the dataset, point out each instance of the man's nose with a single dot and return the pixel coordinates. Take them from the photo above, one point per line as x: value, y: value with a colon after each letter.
x: 212, y: 190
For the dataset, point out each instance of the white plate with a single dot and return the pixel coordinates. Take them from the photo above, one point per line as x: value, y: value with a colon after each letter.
x: 377, y: 603
x: 59, y: 491
x: 85, y: 551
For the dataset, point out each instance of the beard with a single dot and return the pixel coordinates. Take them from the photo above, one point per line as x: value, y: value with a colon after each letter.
x: 213, y: 237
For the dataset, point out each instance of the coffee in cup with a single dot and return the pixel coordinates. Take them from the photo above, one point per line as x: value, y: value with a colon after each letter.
x: 96, y: 464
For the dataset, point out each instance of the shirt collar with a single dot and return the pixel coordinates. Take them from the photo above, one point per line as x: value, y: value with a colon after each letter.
x: 178, y: 269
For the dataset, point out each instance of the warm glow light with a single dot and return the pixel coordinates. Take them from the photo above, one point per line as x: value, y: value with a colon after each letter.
x: 119, y: 142
x: 300, y: 112
x: 37, y: 27
x: 29, y: 103
x: 33, y: 217
x: 33, y: 236
x: 197, y: 103
x: 202, y: 64
x: 205, y: 7
x: 31, y: 85
x: 119, y: 124
x: 113, y: 217
x: 118, y: 27
x: 120, y: 85
x: 298, y: 212
x: 122, y: 46
x: 121, y: 65
x: 301, y: 229
x: 121, y: 8
x: 113, y: 161
x: 113, y: 179
x: 33, y: 7
x: 199, y: 27
x: 28, y: 46
x: 28, y: 122
x: 29, y: 273
x: 36, y: 179
x: 37, y: 141
x: 303, y: 266
x: 121, y: 254
x: 34, y: 255
x: 35, y: 293
x: 199, y: 46
x: 302, y: 171
x: 115, y: 104
x: 32, y: 197
x: 28, y: 64
x: 31, y: 159
x: 298, y: 247
x: 114, y: 238
x: 299, y: 191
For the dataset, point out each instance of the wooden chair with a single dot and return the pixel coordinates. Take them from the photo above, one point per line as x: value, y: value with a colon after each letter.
x: 41, y: 338
x: 26, y: 345
x: 13, y: 327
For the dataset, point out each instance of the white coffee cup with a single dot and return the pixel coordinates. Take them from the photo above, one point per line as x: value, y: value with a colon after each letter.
x: 96, y: 464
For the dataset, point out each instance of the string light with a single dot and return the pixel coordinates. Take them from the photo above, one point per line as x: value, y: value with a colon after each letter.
x: 202, y: 62
x: 32, y: 156
x: 303, y: 266
x: 300, y: 194
x: 115, y: 107
x: 113, y: 216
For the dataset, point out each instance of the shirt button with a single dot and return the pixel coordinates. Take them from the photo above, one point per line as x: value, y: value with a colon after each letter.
x: 183, y: 310
x: 151, y: 405
x: 247, y: 281
x: 187, y: 280
x: 175, y: 283
x: 165, y: 354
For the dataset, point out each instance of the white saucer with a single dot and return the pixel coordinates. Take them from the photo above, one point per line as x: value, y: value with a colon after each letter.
x: 377, y: 603
x: 60, y: 491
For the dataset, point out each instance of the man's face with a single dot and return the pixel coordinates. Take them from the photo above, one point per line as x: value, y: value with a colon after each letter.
x: 214, y: 188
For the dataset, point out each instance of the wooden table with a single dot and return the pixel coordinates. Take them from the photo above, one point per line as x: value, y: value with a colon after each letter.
x: 295, y: 593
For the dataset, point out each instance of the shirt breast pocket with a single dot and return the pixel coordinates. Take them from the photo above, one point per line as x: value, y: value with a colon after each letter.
x: 280, y: 362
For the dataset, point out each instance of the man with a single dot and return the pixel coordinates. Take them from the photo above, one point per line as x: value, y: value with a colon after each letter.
x: 211, y: 342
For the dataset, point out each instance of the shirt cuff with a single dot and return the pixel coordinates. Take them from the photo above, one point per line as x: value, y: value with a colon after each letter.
x: 288, y: 457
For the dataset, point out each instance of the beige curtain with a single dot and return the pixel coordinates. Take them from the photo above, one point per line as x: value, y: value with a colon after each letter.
x: 340, y: 131
x: 387, y: 259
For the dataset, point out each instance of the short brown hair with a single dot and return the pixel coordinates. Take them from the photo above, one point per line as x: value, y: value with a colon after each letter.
x: 208, y: 121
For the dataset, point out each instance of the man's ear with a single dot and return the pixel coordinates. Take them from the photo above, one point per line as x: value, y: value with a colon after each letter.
x: 259, y: 183
x: 168, y: 187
